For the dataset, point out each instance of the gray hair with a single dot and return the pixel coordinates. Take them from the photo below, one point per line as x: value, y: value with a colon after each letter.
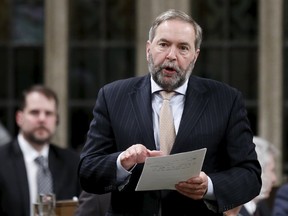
x: 173, y: 14
x: 264, y: 149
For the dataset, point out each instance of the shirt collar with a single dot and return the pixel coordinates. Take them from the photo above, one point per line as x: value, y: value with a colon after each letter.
x: 180, y: 90
x: 28, y: 151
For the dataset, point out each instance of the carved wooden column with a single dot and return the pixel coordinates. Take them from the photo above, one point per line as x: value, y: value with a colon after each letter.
x: 271, y: 75
x: 56, y: 64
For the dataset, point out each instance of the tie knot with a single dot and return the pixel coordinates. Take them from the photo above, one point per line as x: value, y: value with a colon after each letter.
x: 167, y: 95
x: 40, y: 160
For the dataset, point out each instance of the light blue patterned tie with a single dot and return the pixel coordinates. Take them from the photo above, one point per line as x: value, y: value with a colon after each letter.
x: 44, y: 178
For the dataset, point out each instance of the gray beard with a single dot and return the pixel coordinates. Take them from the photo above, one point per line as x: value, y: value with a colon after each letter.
x: 178, y: 79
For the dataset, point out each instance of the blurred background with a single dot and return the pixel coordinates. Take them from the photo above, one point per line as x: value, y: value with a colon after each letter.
x: 77, y: 46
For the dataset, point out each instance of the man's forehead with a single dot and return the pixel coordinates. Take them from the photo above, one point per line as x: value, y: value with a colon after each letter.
x: 175, y: 28
x: 38, y: 100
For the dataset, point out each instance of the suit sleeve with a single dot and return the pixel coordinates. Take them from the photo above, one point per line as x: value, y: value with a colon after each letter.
x: 98, y: 156
x: 242, y: 166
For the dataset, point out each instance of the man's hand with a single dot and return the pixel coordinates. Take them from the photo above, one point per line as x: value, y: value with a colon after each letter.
x: 137, y: 154
x: 195, y: 187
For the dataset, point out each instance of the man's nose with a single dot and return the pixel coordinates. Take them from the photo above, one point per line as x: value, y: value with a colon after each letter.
x: 172, y: 53
x: 42, y: 116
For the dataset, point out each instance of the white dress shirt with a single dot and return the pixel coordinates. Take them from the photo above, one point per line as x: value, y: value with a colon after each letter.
x: 176, y: 103
x: 30, y: 154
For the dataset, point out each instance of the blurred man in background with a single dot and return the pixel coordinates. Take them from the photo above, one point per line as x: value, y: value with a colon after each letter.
x: 20, y: 172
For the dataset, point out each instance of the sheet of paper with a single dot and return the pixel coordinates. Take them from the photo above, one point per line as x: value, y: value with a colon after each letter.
x: 161, y: 173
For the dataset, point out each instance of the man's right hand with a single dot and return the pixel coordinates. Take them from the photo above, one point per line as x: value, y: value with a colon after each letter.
x: 137, y: 154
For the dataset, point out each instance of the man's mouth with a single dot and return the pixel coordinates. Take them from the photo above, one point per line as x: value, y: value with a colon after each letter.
x: 169, y: 70
x: 42, y: 129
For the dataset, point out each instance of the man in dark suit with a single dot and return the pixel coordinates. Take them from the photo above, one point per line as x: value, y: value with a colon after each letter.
x: 37, y: 120
x: 207, y: 114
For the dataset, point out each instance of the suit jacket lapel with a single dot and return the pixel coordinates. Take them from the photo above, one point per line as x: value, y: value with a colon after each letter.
x: 141, y: 103
x: 21, y: 175
x: 56, y: 168
x: 195, y: 103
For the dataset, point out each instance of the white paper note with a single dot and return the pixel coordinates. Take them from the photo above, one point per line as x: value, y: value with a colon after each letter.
x: 160, y: 173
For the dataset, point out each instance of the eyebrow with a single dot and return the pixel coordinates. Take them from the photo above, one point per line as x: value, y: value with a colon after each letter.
x: 167, y: 41
x: 163, y: 40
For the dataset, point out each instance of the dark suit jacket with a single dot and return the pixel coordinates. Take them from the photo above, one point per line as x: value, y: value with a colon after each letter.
x: 14, y: 191
x: 214, y: 117
x: 280, y: 206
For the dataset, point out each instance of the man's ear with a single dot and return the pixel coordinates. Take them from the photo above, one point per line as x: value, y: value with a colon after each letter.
x: 148, y: 44
x: 196, y: 55
x: 19, y: 117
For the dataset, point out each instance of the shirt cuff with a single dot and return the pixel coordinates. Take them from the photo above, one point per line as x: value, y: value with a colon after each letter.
x: 210, y: 191
x: 122, y: 175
